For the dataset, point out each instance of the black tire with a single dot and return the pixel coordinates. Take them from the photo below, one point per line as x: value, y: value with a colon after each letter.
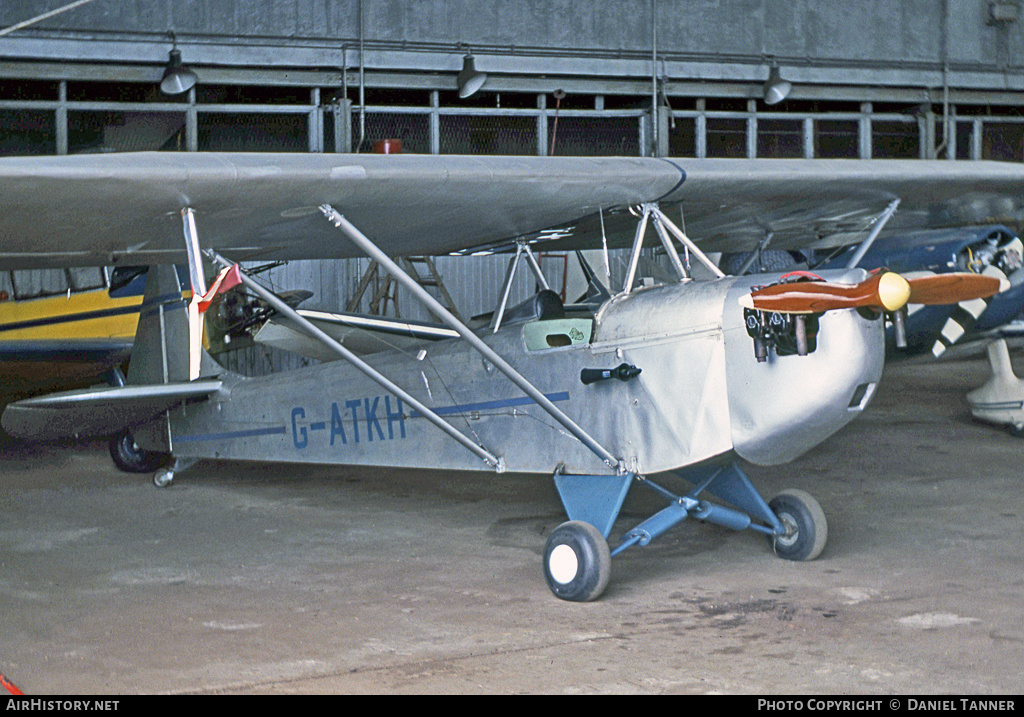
x: 577, y: 562
x: 807, y: 528
x: 128, y: 457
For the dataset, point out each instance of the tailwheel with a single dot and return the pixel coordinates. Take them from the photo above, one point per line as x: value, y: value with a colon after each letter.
x: 128, y: 457
x: 1015, y: 430
x: 805, y: 524
x: 577, y: 562
x: 164, y: 477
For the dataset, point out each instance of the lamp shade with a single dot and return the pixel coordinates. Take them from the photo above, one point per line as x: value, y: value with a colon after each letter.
x: 177, y: 78
x: 470, y: 80
x: 776, y: 89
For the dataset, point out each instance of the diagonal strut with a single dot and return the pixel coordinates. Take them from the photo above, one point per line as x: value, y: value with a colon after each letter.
x: 371, y: 249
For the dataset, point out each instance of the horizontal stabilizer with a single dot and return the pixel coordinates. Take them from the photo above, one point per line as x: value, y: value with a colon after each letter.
x: 98, y: 411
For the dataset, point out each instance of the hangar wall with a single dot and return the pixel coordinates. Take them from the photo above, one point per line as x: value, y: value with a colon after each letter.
x: 882, y: 42
x: 906, y: 78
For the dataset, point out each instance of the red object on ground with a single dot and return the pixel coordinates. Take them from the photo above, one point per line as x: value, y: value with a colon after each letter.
x: 9, y: 686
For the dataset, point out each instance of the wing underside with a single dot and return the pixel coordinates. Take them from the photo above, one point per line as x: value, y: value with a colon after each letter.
x: 124, y: 209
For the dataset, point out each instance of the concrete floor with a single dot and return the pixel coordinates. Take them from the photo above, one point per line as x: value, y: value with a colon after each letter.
x: 243, y: 578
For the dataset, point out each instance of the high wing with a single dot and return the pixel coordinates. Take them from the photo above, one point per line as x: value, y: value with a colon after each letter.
x: 124, y: 209
x: 733, y: 205
x: 119, y: 209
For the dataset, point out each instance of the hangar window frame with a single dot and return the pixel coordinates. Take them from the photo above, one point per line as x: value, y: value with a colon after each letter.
x: 41, y: 115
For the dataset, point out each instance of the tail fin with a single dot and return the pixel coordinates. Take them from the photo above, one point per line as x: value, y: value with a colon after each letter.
x: 164, y: 340
x: 163, y: 347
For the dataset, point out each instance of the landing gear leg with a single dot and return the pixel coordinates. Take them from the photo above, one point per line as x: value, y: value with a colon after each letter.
x: 577, y: 560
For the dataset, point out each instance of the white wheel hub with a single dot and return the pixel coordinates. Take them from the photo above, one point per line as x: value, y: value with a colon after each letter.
x: 563, y: 564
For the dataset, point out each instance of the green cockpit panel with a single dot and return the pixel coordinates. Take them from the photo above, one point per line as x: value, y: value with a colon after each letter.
x: 557, y: 333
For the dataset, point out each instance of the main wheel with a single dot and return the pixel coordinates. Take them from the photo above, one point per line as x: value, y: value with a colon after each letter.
x: 130, y: 458
x: 806, y: 527
x: 577, y: 562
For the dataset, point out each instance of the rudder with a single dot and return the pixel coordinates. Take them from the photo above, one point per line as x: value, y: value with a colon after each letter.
x: 164, y: 344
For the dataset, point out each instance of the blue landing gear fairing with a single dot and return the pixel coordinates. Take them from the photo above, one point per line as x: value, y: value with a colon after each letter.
x: 577, y: 559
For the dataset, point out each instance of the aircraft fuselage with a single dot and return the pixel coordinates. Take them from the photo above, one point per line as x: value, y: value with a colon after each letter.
x: 700, y: 392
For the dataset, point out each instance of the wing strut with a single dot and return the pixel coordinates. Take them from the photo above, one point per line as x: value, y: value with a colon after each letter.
x: 756, y: 254
x: 664, y: 226
x: 510, y: 275
x: 879, y: 224
x: 371, y: 372
x: 687, y: 242
x: 371, y: 249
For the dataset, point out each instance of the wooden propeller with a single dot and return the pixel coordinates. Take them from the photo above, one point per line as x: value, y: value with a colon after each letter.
x: 885, y: 291
x: 951, y: 288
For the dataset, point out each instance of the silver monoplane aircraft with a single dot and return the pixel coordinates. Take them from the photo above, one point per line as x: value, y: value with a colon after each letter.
x: 688, y: 376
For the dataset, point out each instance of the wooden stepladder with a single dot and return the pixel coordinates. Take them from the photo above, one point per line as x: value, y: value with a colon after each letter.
x: 421, y: 268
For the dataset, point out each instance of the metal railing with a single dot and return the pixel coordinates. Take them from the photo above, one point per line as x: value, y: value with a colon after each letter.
x: 313, y: 120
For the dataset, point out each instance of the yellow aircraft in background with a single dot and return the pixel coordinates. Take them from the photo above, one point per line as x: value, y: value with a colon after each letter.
x: 68, y: 329
x: 64, y: 327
